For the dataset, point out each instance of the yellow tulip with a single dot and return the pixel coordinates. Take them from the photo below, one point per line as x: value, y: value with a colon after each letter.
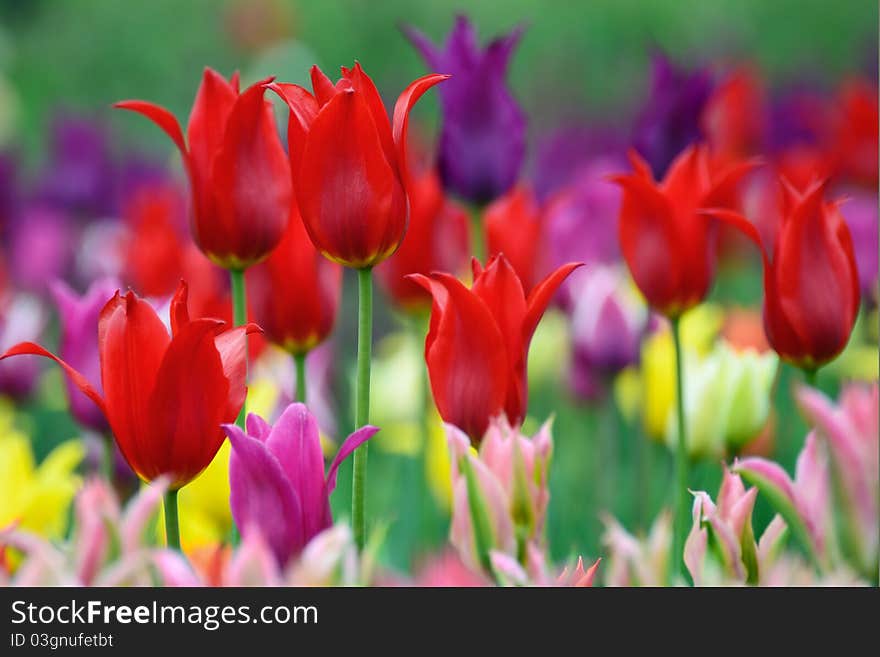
x: 36, y: 497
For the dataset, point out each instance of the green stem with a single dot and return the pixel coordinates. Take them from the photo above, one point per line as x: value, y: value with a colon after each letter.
x: 478, y: 234
x: 362, y: 402
x: 810, y: 376
x: 607, y: 461
x: 107, y: 457
x: 172, y: 525
x: 681, y: 458
x: 643, y: 483
x: 239, y: 318
x: 300, y: 360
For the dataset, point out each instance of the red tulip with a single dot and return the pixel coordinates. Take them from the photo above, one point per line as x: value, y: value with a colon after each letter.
x: 735, y: 115
x: 669, y: 248
x: 513, y: 227
x: 811, y: 284
x: 158, y: 253
x: 237, y: 169
x: 295, y: 293
x: 478, y: 342
x: 349, y: 164
x: 165, y: 397
x: 437, y: 240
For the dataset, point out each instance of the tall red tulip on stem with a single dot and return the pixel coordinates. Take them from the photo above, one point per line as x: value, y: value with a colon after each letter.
x: 351, y: 181
x: 164, y: 397
x: 238, y: 173
x: 294, y: 295
x: 478, y: 342
x: 670, y: 251
x: 811, y: 283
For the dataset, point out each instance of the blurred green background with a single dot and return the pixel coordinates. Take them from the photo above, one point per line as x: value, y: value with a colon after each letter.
x: 576, y: 59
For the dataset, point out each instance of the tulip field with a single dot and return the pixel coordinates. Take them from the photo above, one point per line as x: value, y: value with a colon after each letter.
x: 385, y: 294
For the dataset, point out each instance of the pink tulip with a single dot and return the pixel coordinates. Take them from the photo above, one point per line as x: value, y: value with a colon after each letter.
x: 510, y: 484
x: 277, y: 481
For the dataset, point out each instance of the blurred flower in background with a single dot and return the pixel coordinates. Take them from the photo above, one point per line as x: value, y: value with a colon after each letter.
x: 483, y: 133
x: 36, y: 496
x: 670, y: 119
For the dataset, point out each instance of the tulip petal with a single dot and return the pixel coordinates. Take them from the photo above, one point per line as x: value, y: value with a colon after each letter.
x: 232, y: 347
x: 207, y: 120
x: 349, y: 195
x: 350, y: 444
x: 400, y: 123
x: 250, y: 158
x: 257, y: 427
x: 138, y: 514
x: 464, y: 350
x: 187, y: 405
x: 774, y: 483
x: 161, y: 117
x: 649, y: 240
x: 178, y: 311
x: 29, y: 348
x: 500, y: 289
x: 261, y: 497
x: 254, y: 563
x: 303, y: 110
x: 362, y: 84
x: 132, y: 341
x: 295, y: 442
x: 322, y: 86
x: 539, y: 298
x: 815, y: 278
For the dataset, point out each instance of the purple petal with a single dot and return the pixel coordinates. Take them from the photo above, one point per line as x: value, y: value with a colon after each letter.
x: 257, y: 427
x: 296, y: 443
x: 351, y: 443
x: 79, y: 343
x: 261, y: 497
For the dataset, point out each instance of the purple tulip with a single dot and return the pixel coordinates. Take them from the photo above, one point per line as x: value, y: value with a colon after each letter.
x: 860, y: 214
x: 22, y: 319
x: 40, y: 248
x: 670, y: 119
x: 608, y: 322
x: 482, y: 141
x: 79, y: 175
x: 567, y: 154
x: 277, y: 482
x: 580, y: 222
x: 79, y: 344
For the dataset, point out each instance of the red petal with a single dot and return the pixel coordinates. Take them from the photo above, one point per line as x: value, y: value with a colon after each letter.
x: 132, y: 341
x: 540, y: 298
x: 501, y: 291
x: 649, y: 242
x: 161, y: 117
x: 187, y: 406
x: 350, y: 198
x: 465, y: 354
x: 815, y: 276
x: 207, y: 120
x: 322, y: 86
x: 178, y: 310
x: 251, y: 183
x: 400, y: 123
x: 295, y: 270
x: 232, y: 346
x: 362, y: 84
x: 303, y: 110
x: 24, y: 348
